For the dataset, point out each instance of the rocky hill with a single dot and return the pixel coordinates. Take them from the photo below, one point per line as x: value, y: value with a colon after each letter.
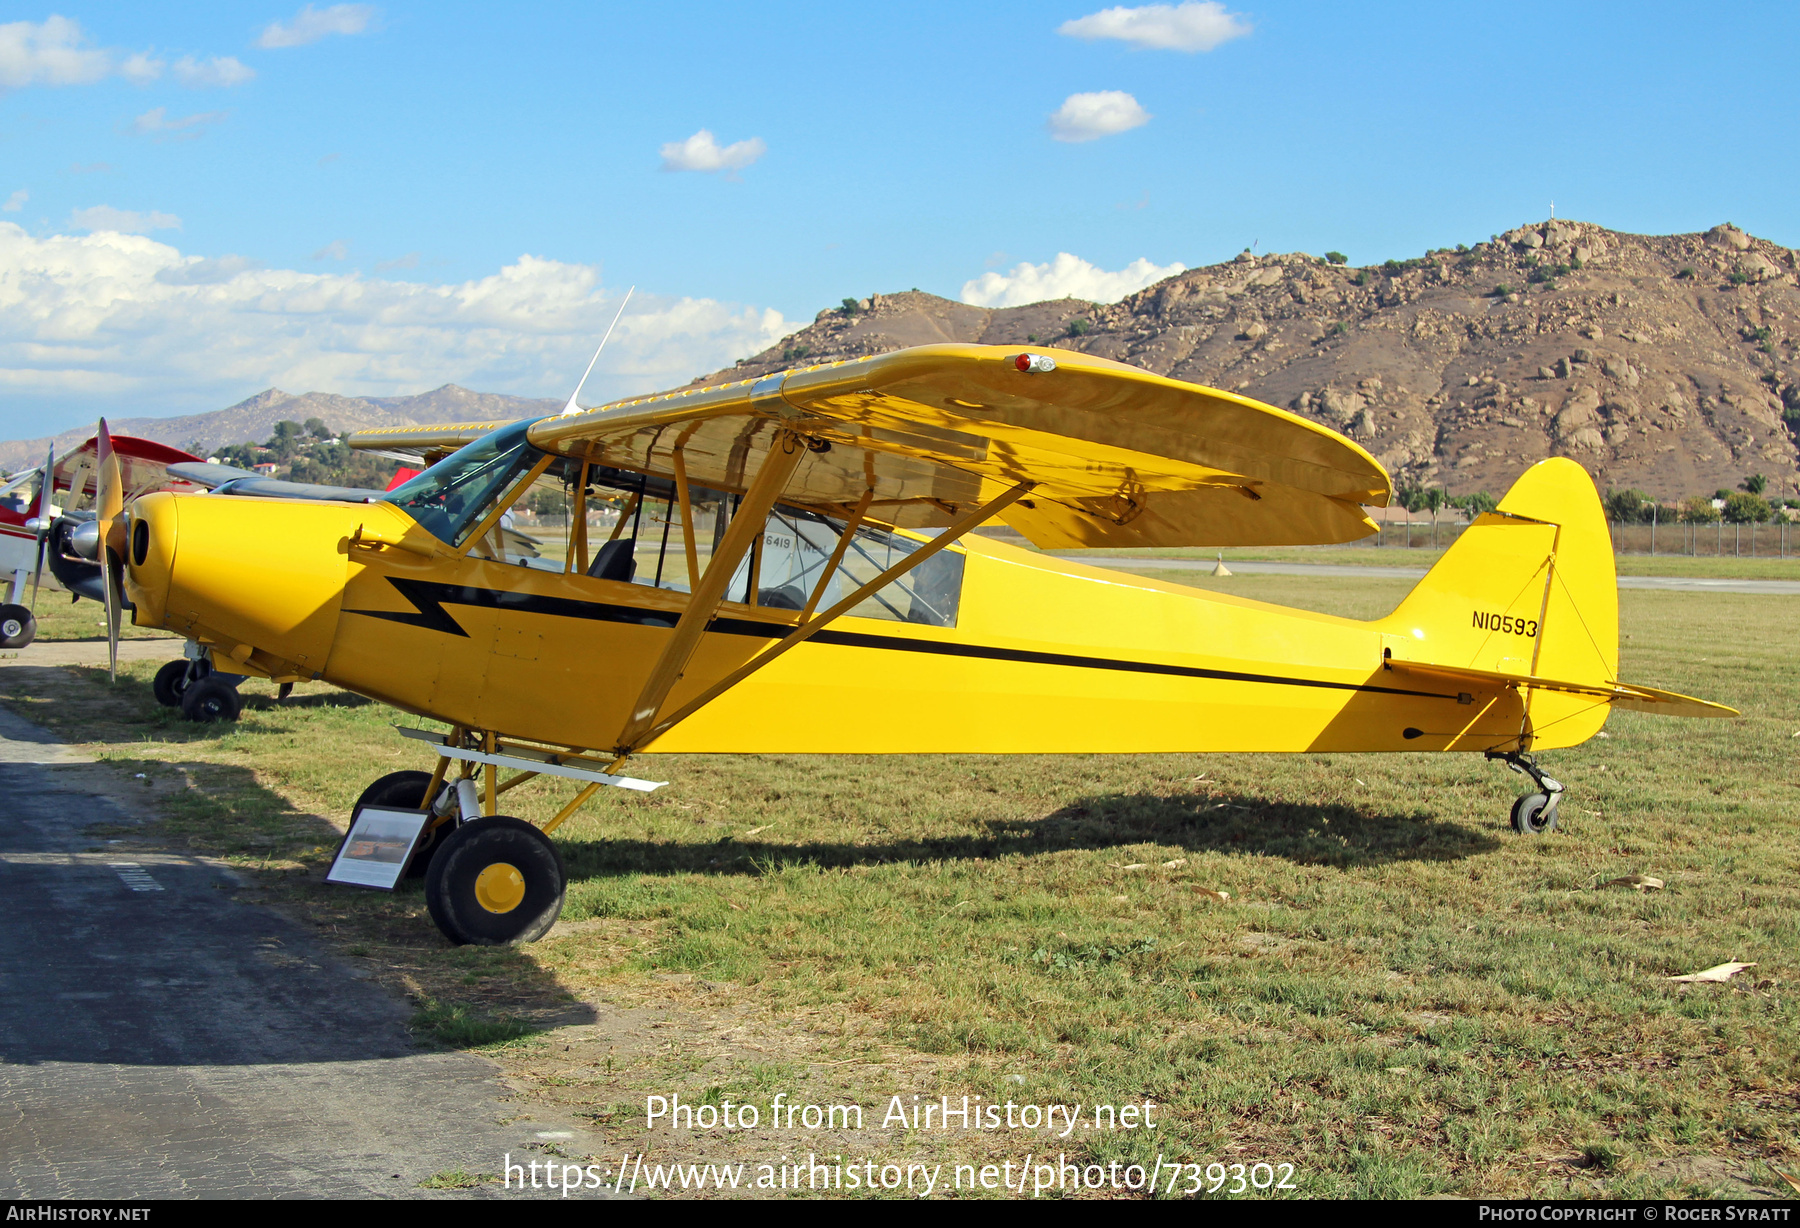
x: 1658, y: 361
x: 254, y: 420
x: 1662, y: 362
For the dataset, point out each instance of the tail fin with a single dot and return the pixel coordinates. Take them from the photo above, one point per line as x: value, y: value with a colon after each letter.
x: 1527, y: 591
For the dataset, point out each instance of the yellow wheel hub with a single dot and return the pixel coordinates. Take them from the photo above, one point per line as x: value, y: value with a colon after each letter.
x: 500, y: 888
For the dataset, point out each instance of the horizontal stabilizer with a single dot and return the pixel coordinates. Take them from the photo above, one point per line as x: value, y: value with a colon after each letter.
x: 1618, y: 694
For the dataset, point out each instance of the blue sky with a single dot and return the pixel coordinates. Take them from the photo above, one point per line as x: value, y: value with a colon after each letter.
x: 383, y: 198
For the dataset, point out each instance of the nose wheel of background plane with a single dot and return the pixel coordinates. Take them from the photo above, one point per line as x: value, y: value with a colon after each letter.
x: 17, y: 627
x: 495, y: 882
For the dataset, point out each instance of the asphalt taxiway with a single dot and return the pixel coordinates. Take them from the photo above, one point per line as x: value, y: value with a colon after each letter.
x: 160, y: 1040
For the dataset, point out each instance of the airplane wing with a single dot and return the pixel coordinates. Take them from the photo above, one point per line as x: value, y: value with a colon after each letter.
x: 1630, y: 697
x: 143, y: 464
x: 420, y: 445
x: 1117, y: 456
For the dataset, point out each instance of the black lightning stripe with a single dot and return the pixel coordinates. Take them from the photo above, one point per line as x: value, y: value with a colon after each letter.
x: 429, y: 598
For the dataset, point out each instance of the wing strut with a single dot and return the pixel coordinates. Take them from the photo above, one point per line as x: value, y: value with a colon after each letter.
x: 747, y: 525
x: 987, y: 511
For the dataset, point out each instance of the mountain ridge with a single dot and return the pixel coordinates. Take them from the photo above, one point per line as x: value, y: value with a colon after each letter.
x: 1660, y: 362
x: 253, y: 419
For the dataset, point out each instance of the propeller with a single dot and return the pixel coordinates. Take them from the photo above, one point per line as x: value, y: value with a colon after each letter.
x: 109, y: 508
x: 42, y: 523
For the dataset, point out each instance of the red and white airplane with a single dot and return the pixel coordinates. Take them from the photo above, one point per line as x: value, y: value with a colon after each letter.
x: 37, y: 519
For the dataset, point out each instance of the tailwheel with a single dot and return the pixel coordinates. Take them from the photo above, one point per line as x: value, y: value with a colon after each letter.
x: 495, y: 882
x: 406, y: 791
x: 1534, y: 814
x: 17, y: 627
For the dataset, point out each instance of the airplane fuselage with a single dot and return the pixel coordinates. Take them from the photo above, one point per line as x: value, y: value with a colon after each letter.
x: 1045, y: 655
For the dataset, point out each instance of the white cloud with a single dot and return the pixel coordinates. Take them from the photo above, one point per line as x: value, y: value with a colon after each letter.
x: 1064, y: 277
x: 87, y: 320
x: 1197, y: 25
x: 55, y: 52
x: 408, y: 261
x: 1085, y: 117
x: 310, y: 25
x: 337, y: 249
x: 157, y: 124
x: 123, y: 221
x: 16, y: 201
x: 141, y: 68
x: 221, y: 70
x: 701, y: 152
x: 50, y: 52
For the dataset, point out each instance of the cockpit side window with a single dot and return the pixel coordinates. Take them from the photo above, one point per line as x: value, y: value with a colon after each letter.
x: 450, y: 498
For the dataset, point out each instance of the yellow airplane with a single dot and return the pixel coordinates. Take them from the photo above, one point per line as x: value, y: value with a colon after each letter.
x: 789, y: 569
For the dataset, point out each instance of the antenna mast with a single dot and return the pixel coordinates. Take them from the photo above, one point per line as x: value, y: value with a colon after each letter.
x: 571, y: 407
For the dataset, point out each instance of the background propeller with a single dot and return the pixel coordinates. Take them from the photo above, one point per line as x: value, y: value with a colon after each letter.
x: 42, y: 523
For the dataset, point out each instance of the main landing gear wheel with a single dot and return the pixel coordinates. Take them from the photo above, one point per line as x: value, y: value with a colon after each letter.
x: 211, y: 699
x: 1534, y: 814
x: 406, y: 791
x: 170, y: 683
x: 17, y: 627
x: 495, y: 882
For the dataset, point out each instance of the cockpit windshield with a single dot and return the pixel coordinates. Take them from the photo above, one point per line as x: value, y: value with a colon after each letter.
x: 450, y: 498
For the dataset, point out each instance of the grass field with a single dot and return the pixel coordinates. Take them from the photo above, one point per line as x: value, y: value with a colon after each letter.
x: 1399, y: 996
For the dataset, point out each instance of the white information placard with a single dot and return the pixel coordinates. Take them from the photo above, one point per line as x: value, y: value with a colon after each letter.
x: 375, y: 852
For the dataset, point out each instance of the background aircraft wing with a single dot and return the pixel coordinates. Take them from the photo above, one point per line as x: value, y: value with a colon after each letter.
x: 1118, y: 456
x: 143, y: 465
x: 421, y: 445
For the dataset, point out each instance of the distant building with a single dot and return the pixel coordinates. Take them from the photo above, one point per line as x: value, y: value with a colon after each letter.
x: 266, y: 469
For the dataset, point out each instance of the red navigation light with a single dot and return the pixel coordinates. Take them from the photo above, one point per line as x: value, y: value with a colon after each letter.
x: 1030, y: 363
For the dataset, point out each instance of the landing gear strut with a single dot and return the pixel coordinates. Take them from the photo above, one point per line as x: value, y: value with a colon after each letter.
x: 1535, y: 813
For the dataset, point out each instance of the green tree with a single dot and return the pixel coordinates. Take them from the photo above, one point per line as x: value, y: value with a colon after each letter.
x: 1756, y: 483
x: 1478, y: 504
x: 1699, y: 510
x: 1336, y: 258
x: 317, y: 429
x: 1742, y: 507
x: 1627, y: 506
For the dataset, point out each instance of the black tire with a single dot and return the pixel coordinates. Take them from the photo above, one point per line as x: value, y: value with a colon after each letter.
x: 211, y: 699
x: 1534, y: 814
x: 495, y: 861
x: 171, y: 683
x: 406, y: 791
x: 17, y: 627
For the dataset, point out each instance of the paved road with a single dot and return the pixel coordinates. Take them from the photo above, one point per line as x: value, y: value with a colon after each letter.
x: 1679, y: 584
x: 158, y: 1040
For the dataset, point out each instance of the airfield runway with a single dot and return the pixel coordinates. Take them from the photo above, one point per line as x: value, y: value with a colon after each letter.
x: 1668, y: 584
x: 158, y: 1040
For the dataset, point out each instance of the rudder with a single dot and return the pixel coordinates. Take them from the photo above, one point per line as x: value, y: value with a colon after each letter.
x: 1529, y: 589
